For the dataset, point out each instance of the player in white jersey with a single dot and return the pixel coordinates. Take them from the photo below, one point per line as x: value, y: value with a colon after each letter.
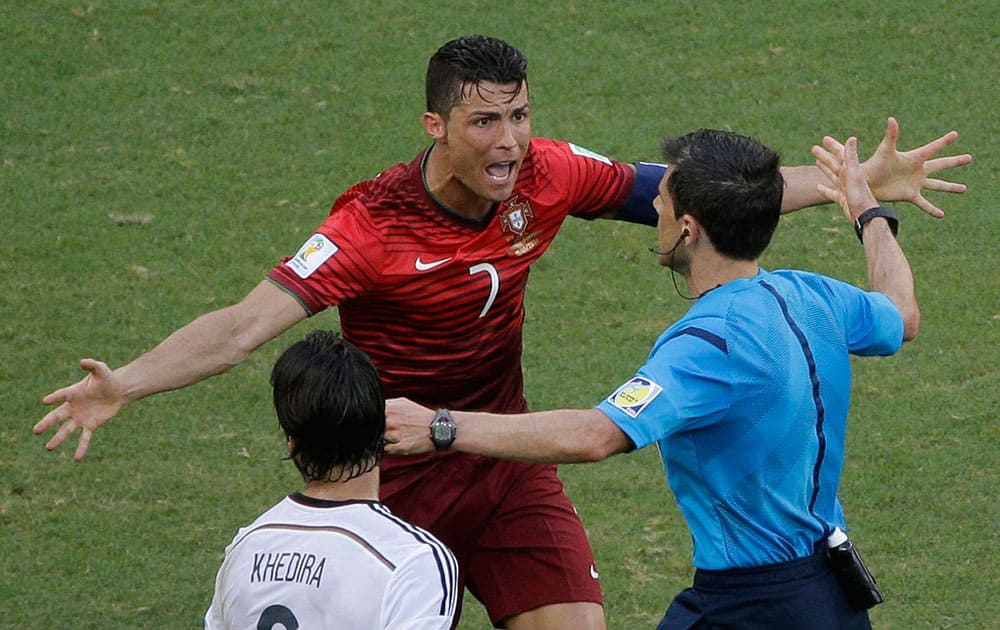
x: 332, y: 555
x: 314, y: 563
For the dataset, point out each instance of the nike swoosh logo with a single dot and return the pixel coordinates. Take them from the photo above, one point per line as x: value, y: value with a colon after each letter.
x: 422, y: 266
x: 593, y: 573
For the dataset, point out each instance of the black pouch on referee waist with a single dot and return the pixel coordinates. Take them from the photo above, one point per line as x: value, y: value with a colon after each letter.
x: 854, y: 577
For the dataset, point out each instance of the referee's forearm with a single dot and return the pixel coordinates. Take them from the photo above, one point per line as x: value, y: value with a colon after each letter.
x: 889, y: 272
x: 559, y: 437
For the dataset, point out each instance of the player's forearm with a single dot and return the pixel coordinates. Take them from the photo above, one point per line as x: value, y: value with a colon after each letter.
x: 558, y: 437
x: 801, y: 187
x: 889, y: 273
x: 207, y: 346
x: 212, y: 343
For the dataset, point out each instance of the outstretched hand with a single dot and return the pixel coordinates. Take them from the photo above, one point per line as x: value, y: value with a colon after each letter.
x: 839, y: 162
x: 896, y: 175
x: 86, y: 405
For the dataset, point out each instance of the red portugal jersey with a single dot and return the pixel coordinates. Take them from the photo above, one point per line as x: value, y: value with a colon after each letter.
x: 435, y: 300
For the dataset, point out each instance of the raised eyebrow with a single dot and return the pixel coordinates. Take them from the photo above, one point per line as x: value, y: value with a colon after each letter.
x: 494, y: 114
x: 484, y: 113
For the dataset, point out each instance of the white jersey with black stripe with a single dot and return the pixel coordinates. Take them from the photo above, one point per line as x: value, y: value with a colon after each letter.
x: 310, y: 563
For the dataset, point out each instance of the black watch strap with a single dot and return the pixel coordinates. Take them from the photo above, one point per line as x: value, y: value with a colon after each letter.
x: 884, y: 212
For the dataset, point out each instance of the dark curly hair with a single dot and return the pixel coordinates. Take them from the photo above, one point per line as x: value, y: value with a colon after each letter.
x: 470, y: 61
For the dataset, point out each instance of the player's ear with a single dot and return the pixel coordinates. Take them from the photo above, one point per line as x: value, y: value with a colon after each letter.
x: 435, y: 126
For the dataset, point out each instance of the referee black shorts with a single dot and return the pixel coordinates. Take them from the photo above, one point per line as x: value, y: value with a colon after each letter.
x: 801, y: 594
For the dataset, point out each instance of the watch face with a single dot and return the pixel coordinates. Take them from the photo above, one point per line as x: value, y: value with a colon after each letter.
x: 443, y: 431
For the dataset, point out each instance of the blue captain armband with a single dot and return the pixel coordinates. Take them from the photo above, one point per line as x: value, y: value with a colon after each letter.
x: 638, y: 207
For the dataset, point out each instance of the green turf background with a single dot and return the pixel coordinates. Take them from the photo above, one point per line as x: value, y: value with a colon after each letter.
x: 157, y: 158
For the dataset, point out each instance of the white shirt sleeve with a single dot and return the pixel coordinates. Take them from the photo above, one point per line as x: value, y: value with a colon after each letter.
x: 422, y: 594
x: 213, y: 617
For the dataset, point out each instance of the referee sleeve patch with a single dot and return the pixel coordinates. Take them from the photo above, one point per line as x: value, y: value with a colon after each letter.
x: 313, y: 253
x: 635, y: 395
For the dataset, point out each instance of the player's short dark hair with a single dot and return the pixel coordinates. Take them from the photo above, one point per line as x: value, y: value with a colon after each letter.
x: 329, y: 401
x: 731, y: 184
x: 471, y: 60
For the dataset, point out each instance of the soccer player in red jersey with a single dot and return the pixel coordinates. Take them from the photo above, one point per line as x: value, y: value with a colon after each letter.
x: 427, y: 264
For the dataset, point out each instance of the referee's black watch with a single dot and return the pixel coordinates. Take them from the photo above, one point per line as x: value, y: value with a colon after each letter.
x: 884, y: 212
x: 443, y: 430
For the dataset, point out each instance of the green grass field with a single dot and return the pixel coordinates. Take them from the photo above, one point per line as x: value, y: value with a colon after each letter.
x: 157, y: 158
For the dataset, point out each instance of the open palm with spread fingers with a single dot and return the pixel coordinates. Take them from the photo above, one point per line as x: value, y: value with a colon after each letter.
x: 896, y: 175
x: 87, y: 404
x: 840, y: 163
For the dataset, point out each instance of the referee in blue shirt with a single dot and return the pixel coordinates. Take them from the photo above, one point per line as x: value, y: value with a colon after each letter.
x: 746, y: 396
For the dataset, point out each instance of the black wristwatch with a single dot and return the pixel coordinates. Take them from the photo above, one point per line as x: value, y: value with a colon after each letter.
x: 443, y: 430
x: 884, y: 212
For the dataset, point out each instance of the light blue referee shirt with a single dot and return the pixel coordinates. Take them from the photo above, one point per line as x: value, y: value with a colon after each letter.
x: 746, y: 397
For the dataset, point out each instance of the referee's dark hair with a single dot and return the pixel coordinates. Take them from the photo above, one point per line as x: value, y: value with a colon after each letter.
x: 329, y: 402
x: 731, y: 184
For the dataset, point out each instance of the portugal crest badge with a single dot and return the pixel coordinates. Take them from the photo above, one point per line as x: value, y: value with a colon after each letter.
x: 515, y: 216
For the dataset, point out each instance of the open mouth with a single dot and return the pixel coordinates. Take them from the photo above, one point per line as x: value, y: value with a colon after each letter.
x: 500, y: 171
